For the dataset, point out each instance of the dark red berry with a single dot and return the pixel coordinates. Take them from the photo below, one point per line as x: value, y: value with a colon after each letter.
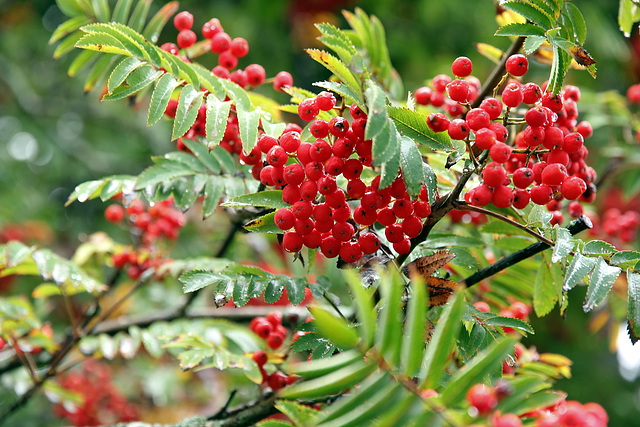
x: 517, y: 65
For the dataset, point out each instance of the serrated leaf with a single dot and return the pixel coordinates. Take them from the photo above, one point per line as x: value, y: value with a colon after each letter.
x: 137, y: 80
x: 598, y: 247
x: 580, y: 266
x: 122, y: 71
x: 298, y: 413
x: 559, y: 67
x: 600, y: 284
x: 532, y: 43
x: 539, y: 217
x: 160, y: 97
x: 376, y: 111
x: 442, y: 340
x: 263, y: 224
x: 564, y: 244
x: 633, y: 305
x: 625, y: 259
x: 391, y: 167
x: 241, y: 290
x: 364, y: 308
x: 67, y: 45
x: 99, y: 71
x: 187, y: 112
x: 414, y: 125
x: 195, y: 280
x: 268, y: 199
x: 68, y: 27
x: 509, y: 322
x: 411, y: 165
x: 204, y: 156
x: 414, y: 331
x: 338, y: 68
x: 154, y: 175
x: 519, y: 29
x: 531, y: 12
x: 248, y: 122
x: 84, y: 59
x: 296, y: 289
x: 71, y: 7
x: 86, y: 191
x: 577, y: 20
x: 228, y: 163
x: 430, y: 181
x: 17, y: 252
x: 102, y: 42
x: 335, y: 329
x: 216, y: 122
x: 159, y: 20
x: 335, y: 382
x: 474, y: 371
x: 344, y: 91
x: 545, y: 293
x: 628, y: 14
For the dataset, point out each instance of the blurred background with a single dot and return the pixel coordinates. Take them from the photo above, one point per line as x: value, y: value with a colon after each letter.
x: 53, y: 136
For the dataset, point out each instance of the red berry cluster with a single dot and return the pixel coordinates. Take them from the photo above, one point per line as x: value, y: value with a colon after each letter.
x: 322, y: 214
x: 102, y: 403
x: 229, y: 51
x: 462, y: 216
x: 572, y: 413
x: 544, y: 162
x: 149, y: 222
x: 619, y: 218
x: 270, y: 328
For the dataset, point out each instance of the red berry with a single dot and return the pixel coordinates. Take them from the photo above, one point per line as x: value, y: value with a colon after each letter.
x: 533, y: 136
x: 365, y: 217
x: 412, y: 226
x: 438, y: 122
x: 458, y: 90
x: 507, y: 420
x: 221, y: 72
x: 573, y: 142
x: 239, y: 77
x: 227, y: 60
x: 572, y: 188
x: 386, y: 217
x: 292, y: 241
x: 440, y: 82
x: 521, y: 198
x: 553, y: 138
x: 633, y: 94
x: 114, y: 214
x: 403, y: 246
x: 462, y: 66
x: 402, y: 208
x: 500, y: 152
x: 512, y: 95
x: 519, y: 309
x: 260, y: 357
x: 480, y: 195
x: 531, y: 93
x: 502, y: 197
x: 554, y: 103
x: 220, y: 42
x: 492, y: 106
x: 282, y: 79
x: 183, y: 21
x: 350, y: 252
x: 482, y: 398
x: 186, y: 38
x: 523, y: 177
x: 239, y: 47
x: 255, y: 74
x: 338, y: 126
x: 423, y: 95
x: 284, y: 219
x: 263, y: 328
x: 308, y: 109
x: 485, y: 138
x: 275, y: 318
x: 584, y: 128
x: 554, y: 174
x: 482, y: 306
x: 369, y: 242
x: 211, y: 28
x: 277, y: 380
x: 319, y: 129
x: 320, y: 151
x: 325, y: 100
x: 277, y: 156
x: 458, y: 129
x: 330, y: 247
x: 575, y: 209
x: 536, y: 116
x: 541, y: 194
x: 421, y: 208
x: 517, y: 65
x: 477, y: 118
x: 293, y: 174
x: 494, y: 174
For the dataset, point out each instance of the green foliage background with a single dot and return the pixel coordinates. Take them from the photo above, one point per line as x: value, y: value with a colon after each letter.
x: 78, y: 139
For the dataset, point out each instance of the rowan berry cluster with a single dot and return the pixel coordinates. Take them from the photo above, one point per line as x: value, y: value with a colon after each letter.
x: 543, y: 162
x: 102, y: 403
x: 270, y: 328
x: 323, y: 214
x: 229, y: 52
x: 484, y: 399
x: 24, y: 343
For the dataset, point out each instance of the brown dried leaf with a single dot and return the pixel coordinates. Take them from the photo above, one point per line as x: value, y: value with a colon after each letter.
x: 439, y: 290
x: 581, y: 56
x: 427, y: 265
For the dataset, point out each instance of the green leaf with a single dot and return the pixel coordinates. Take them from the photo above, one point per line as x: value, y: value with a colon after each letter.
x: 600, y: 284
x: 298, y: 413
x: 388, y: 338
x: 17, y: 252
x: 296, y: 289
x: 101, y: 9
x: 598, y: 247
x: 121, y: 72
x: 580, y: 266
x: 501, y: 227
x: 154, y: 175
x: 335, y: 329
x: 625, y: 259
x: 264, y: 224
x: 160, y: 97
x: 86, y: 191
x: 68, y: 27
x: 430, y: 181
x: 411, y: 165
x: 344, y: 91
x: 473, y: 372
x: 532, y: 43
x: 102, y: 42
x: 414, y: 125
x: 71, y: 7
x: 442, y: 340
x: 414, y: 332
x: 248, y: 122
x: 338, y: 68
x: 520, y: 30
x: 187, y: 112
x: 335, y: 382
x: 559, y: 67
x: 564, y: 244
x: 195, y: 280
x: 212, y: 192
x: 628, y: 14
x: 99, y: 71
x: 577, y: 20
x: 121, y: 11
x: 531, y: 12
x: 203, y: 155
x: 376, y: 111
x: 267, y: 199
x: 539, y: 217
x: 364, y: 308
x: 139, y: 15
x: 322, y: 367
x: 83, y: 60
x: 137, y: 80
x: 216, y: 123
x: 509, y: 322
x: 633, y: 305
x: 545, y: 293
x: 159, y: 20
